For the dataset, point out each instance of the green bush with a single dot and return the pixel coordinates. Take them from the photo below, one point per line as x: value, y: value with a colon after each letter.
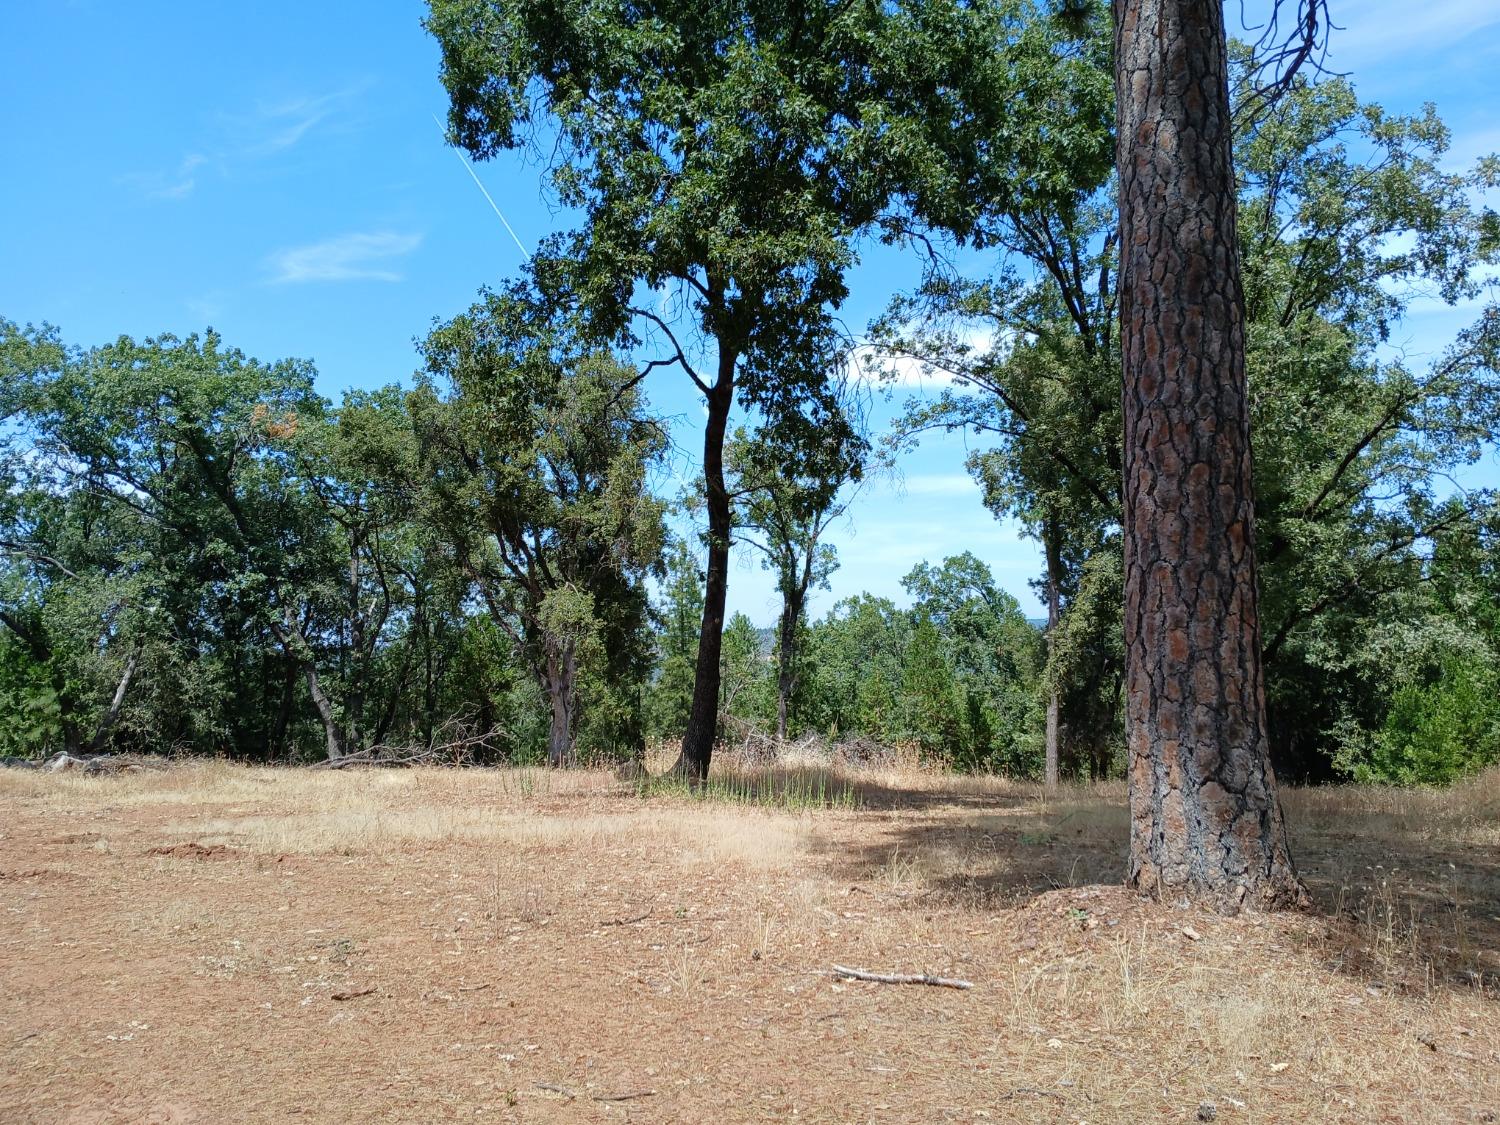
x: 1437, y: 732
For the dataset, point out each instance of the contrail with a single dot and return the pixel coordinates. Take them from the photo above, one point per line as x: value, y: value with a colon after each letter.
x: 525, y: 253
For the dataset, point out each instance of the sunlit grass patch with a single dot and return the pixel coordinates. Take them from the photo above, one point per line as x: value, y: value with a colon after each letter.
x: 362, y: 825
x: 796, y: 790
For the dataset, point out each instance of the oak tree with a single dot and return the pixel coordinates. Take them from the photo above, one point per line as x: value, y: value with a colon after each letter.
x: 725, y: 160
x: 536, y: 461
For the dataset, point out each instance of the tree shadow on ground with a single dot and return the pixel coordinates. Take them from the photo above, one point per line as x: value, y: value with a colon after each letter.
x: 1404, y: 902
x: 879, y: 796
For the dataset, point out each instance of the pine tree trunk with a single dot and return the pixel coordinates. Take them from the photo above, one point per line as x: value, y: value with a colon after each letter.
x: 1205, y: 821
x: 703, y: 720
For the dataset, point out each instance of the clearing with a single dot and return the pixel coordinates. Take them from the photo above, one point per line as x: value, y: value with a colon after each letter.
x: 213, y: 943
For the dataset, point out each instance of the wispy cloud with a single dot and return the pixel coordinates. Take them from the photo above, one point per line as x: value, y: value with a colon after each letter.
x: 872, y: 366
x: 350, y: 257
x: 261, y: 132
x: 939, y: 484
x: 207, y: 307
x: 273, y: 127
x: 876, y: 366
x: 1369, y: 30
x: 175, y: 183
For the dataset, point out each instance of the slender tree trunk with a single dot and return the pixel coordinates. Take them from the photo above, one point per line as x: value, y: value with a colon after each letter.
x: 562, y: 693
x: 786, y: 658
x: 1053, y: 550
x: 703, y: 720
x: 429, y: 686
x: 40, y: 647
x: 485, y: 709
x: 634, y: 734
x: 1104, y: 748
x: 393, y: 702
x: 1205, y: 821
x: 337, y: 748
x: 112, y: 716
x: 354, y: 699
x: 297, y: 648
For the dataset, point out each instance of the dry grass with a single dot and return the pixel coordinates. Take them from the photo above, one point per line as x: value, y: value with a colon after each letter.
x: 1467, y: 814
x: 364, y: 826
x: 174, y: 944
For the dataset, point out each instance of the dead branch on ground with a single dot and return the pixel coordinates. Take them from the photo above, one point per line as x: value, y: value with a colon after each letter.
x: 901, y: 978
x: 452, y: 745
x: 553, y: 1088
x: 626, y: 921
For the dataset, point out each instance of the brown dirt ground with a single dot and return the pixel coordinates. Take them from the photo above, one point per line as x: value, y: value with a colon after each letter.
x: 222, y: 944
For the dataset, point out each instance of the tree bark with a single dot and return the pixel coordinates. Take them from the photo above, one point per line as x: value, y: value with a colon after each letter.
x: 562, y: 693
x: 298, y: 649
x: 1053, y: 550
x: 354, y: 698
x: 394, y: 698
x: 1205, y: 821
x: 429, y: 687
x: 112, y: 715
x: 337, y: 748
x: 786, y: 657
x: 703, y: 719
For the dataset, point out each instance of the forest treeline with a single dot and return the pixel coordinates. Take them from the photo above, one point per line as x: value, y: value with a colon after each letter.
x: 200, y: 554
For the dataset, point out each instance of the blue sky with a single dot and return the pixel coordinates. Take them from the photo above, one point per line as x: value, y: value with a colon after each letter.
x: 274, y: 170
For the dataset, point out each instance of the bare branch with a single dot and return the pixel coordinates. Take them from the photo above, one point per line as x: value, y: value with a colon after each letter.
x: 21, y: 550
x: 680, y: 357
x: 1282, y: 52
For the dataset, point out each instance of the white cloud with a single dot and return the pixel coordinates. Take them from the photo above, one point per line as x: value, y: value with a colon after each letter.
x: 876, y: 367
x: 175, y: 184
x: 275, y: 126
x: 180, y: 190
x: 1369, y: 30
x: 939, y: 484
x: 267, y: 129
x: 350, y: 257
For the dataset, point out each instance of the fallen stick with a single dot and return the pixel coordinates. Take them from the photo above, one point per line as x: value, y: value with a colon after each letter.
x: 354, y: 995
x: 552, y: 1088
x: 626, y: 921
x: 901, y: 978
x: 1035, y: 1091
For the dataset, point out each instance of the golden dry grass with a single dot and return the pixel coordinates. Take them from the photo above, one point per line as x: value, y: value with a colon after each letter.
x: 1468, y: 813
x: 175, y: 944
